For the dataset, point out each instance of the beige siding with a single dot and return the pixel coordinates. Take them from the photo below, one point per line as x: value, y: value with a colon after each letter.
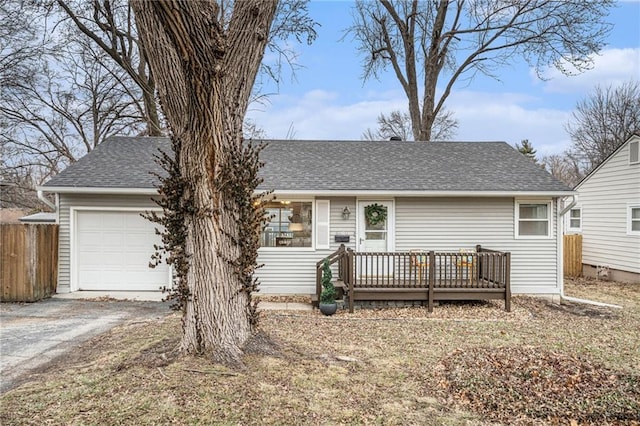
x: 604, y: 198
x: 449, y: 224
x: 100, y: 201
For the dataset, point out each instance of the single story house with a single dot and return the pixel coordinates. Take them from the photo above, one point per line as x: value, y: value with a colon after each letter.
x: 436, y: 196
x: 608, y: 215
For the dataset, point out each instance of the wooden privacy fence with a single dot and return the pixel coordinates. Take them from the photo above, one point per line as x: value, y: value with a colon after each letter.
x: 572, y: 248
x: 29, y: 255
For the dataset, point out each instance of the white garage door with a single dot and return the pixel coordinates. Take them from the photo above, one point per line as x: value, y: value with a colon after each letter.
x: 113, y: 252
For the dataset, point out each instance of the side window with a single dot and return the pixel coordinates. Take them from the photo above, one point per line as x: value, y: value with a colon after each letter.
x: 575, y: 219
x: 633, y: 219
x: 533, y: 219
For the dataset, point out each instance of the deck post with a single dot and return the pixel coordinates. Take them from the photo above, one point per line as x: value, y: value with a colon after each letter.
x: 352, y: 278
x: 432, y: 277
x: 318, y: 285
x: 507, y: 280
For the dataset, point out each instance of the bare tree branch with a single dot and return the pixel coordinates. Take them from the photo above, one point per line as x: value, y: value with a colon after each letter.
x: 453, y: 40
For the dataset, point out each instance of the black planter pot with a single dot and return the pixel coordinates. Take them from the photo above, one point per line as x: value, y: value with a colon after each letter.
x: 328, y: 308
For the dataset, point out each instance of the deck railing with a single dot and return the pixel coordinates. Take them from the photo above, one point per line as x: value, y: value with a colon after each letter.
x: 422, y: 275
x: 341, y: 257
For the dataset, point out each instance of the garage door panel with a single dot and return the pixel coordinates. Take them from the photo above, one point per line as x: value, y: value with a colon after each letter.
x: 95, y: 260
x: 89, y: 238
x: 111, y: 221
x: 114, y: 250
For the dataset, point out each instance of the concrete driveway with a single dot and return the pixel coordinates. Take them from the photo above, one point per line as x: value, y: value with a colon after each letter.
x: 32, y: 334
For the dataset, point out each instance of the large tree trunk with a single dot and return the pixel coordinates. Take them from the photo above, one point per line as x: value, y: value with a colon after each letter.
x: 204, y: 72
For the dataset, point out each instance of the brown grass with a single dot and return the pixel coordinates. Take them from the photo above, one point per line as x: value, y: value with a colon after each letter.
x: 464, y: 364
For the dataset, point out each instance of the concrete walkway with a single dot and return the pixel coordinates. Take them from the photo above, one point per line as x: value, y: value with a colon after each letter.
x: 284, y: 306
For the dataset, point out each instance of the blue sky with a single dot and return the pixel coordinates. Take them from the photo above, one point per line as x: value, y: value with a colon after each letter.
x: 328, y: 100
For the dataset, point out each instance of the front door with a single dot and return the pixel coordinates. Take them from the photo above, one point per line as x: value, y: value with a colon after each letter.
x: 375, y: 222
x: 375, y: 235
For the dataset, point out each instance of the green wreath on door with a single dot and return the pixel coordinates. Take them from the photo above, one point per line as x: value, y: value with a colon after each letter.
x: 375, y: 214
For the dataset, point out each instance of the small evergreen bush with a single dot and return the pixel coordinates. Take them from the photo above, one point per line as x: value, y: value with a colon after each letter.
x: 328, y: 294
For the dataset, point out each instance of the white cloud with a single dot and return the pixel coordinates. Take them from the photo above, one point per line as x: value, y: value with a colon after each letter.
x: 507, y: 117
x: 319, y: 115
x: 482, y: 117
x: 612, y: 68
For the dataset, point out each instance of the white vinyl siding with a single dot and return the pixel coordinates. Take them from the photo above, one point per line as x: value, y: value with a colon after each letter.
x: 322, y: 224
x: 605, y: 197
x: 141, y: 202
x: 451, y: 224
x: 446, y: 224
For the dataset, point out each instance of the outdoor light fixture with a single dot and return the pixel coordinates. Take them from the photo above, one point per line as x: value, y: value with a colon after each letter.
x: 345, y: 213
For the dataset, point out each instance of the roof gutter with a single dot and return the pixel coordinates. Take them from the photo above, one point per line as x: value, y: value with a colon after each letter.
x: 44, y: 199
x: 98, y: 190
x: 414, y: 193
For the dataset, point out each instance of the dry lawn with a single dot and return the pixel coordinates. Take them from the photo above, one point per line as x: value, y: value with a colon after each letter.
x: 467, y: 363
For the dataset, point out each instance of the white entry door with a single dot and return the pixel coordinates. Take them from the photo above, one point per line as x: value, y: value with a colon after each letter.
x: 375, y: 226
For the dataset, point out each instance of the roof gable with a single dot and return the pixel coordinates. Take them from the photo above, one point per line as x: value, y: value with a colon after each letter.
x: 326, y: 166
x: 634, y: 136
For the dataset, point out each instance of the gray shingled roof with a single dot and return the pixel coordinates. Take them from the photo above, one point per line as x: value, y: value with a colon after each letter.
x: 118, y: 162
x: 313, y: 166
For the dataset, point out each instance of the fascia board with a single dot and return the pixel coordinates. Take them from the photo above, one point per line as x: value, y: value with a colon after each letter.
x: 97, y: 190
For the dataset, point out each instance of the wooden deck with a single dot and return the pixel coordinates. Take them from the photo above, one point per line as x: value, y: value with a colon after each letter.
x: 480, y: 274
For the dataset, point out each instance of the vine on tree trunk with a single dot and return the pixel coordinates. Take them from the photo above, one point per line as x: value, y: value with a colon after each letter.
x: 176, y: 205
x: 237, y: 181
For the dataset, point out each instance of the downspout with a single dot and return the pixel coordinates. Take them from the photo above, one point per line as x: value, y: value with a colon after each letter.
x: 42, y: 198
x: 564, y: 211
x: 574, y: 201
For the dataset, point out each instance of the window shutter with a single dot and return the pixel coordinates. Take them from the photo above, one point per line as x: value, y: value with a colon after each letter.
x: 322, y: 224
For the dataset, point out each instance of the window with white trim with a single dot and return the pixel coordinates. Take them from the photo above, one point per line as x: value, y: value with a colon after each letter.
x: 533, y: 219
x: 633, y: 219
x: 290, y: 224
x: 634, y: 152
x: 575, y: 219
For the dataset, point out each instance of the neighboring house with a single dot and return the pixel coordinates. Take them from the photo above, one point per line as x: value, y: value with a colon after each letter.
x: 439, y: 196
x: 608, y: 215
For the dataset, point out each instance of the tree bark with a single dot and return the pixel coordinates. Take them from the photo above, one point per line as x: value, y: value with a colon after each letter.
x: 204, y: 74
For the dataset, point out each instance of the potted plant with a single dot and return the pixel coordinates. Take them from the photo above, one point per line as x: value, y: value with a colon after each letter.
x: 328, y: 305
